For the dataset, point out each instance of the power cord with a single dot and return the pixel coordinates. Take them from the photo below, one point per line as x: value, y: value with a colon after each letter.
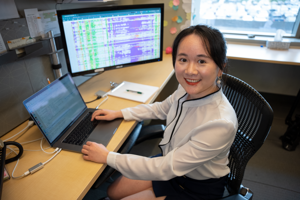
x: 36, y: 167
x: 93, y: 100
x: 30, y: 124
x: 41, y: 145
x: 99, y: 95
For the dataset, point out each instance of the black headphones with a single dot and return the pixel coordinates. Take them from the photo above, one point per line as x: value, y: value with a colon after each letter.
x: 3, y: 149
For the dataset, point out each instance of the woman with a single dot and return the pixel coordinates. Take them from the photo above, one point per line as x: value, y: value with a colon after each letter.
x: 201, y: 126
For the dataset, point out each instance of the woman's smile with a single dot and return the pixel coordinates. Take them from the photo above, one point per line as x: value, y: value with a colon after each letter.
x: 192, y: 81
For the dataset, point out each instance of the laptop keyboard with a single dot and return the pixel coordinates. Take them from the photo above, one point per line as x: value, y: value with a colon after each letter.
x: 82, y: 131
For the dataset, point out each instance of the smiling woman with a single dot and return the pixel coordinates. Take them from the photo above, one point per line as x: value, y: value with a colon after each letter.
x: 201, y: 126
x: 195, y: 56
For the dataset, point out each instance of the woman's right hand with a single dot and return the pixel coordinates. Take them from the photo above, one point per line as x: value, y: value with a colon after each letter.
x: 108, y: 115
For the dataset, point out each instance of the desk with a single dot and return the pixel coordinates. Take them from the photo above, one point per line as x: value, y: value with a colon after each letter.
x: 267, y: 70
x: 68, y: 176
x: 256, y: 53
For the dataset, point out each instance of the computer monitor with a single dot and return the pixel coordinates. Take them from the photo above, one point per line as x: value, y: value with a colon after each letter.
x: 104, y: 38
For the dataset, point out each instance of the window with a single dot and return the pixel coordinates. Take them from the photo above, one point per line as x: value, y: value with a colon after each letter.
x: 257, y: 17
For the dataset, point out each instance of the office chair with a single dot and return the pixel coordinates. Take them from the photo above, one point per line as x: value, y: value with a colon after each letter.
x: 255, y: 117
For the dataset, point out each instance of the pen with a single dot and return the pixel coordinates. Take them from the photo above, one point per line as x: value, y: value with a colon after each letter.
x: 48, y: 81
x: 134, y: 91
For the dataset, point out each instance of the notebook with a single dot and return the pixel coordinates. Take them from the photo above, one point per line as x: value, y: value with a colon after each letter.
x: 60, y: 112
x: 133, y: 91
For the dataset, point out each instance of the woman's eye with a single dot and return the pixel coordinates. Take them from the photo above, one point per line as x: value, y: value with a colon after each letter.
x: 201, y: 61
x: 182, y: 60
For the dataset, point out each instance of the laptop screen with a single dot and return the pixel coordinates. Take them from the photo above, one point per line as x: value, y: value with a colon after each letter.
x: 55, y: 107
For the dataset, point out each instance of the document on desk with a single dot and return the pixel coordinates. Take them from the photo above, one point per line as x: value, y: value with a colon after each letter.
x: 133, y: 91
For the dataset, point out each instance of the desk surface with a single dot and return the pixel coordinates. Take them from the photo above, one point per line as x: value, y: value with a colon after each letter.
x: 249, y: 52
x: 68, y: 176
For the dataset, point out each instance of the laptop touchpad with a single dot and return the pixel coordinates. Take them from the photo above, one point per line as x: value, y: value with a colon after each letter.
x: 104, y: 131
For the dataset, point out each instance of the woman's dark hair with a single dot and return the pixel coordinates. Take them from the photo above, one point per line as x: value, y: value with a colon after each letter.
x: 213, y: 40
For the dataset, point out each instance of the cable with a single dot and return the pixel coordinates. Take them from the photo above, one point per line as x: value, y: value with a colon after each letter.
x: 36, y: 167
x: 28, y: 149
x: 30, y: 123
x: 41, y: 144
x: 93, y: 100
x: 59, y: 150
x: 102, y: 102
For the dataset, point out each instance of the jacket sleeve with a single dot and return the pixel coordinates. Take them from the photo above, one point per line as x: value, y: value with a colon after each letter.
x: 202, y: 147
x: 157, y: 110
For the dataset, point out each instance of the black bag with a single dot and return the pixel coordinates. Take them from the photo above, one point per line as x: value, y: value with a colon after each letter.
x: 291, y: 138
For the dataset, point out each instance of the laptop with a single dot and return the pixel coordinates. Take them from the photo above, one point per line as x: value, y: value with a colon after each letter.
x: 64, y: 119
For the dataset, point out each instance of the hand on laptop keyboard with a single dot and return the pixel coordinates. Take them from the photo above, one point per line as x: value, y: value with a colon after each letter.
x: 104, y: 114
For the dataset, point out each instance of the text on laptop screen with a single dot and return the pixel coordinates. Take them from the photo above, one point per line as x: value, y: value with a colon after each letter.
x: 55, y: 107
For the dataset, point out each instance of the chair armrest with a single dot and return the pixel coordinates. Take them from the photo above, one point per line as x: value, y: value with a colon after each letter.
x: 150, y: 132
x: 125, y: 148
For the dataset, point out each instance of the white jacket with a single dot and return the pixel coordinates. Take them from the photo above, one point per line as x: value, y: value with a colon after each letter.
x: 196, y: 141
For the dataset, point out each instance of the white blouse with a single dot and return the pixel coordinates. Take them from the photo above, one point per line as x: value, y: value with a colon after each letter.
x: 196, y: 141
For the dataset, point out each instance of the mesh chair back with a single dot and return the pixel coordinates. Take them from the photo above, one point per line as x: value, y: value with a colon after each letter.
x: 255, y: 117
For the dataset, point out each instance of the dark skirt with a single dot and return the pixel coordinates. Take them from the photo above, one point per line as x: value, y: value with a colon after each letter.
x: 183, y: 187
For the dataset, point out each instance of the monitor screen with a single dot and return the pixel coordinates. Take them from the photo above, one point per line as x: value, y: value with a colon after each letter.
x: 99, y: 39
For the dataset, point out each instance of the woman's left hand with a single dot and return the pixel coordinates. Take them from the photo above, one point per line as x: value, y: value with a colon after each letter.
x: 95, y: 152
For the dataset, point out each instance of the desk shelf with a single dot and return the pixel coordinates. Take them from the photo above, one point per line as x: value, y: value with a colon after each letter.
x: 41, y: 47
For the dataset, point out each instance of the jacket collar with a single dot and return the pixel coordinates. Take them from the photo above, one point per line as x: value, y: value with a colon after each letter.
x: 182, y: 95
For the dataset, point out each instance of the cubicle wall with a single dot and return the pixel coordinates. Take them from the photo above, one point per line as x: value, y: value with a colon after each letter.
x: 22, y: 78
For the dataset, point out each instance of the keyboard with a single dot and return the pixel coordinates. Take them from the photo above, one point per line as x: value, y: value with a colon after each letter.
x: 82, y: 131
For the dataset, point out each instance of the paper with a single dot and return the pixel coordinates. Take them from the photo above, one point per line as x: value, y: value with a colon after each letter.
x: 49, y: 21
x: 173, y: 30
x: 12, y: 44
x: 171, y: 4
x: 279, y: 35
x: 165, y: 23
x: 187, y: 6
x: 186, y: 25
x: 2, y: 45
x: 145, y: 90
x: 175, y: 2
x: 188, y: 16
x: 175, y: 7
x: 174, y: 19
x: 34, y: 22
x: 8, y: 9
x: 179, y: 20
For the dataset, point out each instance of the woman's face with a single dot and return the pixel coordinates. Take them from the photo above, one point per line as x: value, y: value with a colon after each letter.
x: 195, y: 70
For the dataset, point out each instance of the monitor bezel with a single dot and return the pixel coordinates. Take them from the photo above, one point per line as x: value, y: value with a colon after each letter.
x: 108, y: 8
